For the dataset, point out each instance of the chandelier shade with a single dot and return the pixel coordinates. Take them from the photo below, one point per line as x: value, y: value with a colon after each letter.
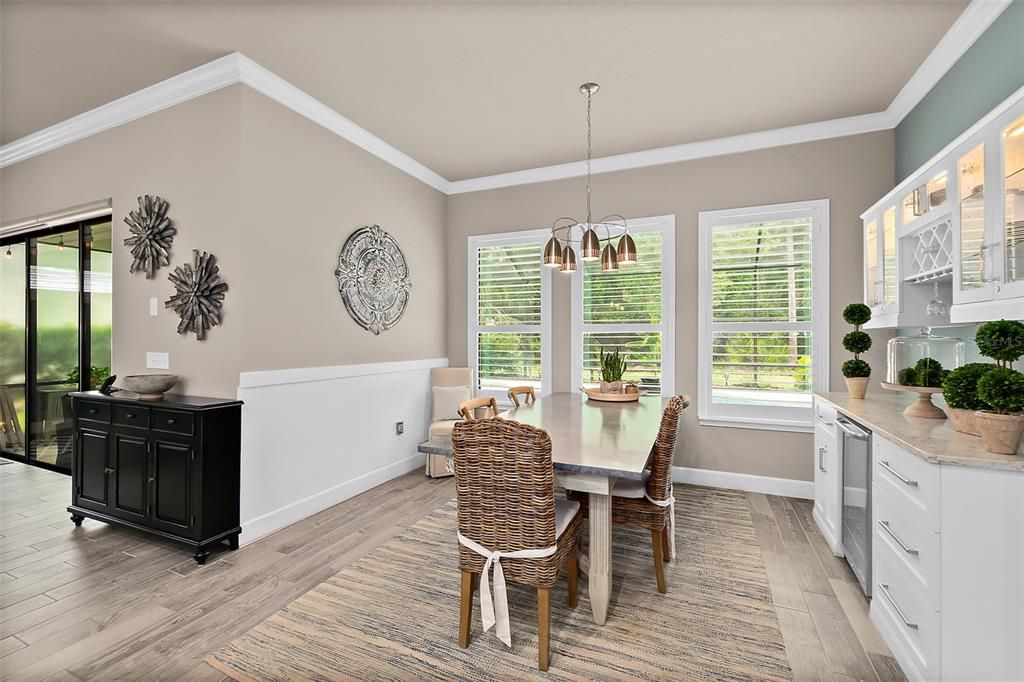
x: 552, y: 253
x: 589, y: 234
x: 568, y: 259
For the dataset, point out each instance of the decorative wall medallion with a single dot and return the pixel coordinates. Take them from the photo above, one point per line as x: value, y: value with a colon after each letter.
x: 152, y: 233
x: 199, y: 294
x: 373, y: 278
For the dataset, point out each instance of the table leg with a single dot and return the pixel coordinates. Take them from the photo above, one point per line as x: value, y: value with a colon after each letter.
x: 599, y: 571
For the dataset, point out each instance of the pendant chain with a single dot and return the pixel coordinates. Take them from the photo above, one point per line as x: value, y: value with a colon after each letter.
x: 589, y: 221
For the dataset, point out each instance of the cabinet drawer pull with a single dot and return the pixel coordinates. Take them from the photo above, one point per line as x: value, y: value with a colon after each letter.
x: 885, y: 465
x: 171, y: 420
x: 884, y: 525
x: 899, y: 612
x: 92, y: 410
x: 129, y: 415
x: 821, y: 459
x: 152, y: 479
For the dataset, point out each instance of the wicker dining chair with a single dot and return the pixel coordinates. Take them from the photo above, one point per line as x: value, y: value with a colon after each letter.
x: 648, y: 503
x: 526, y: 391
x: 468, y: 408
x: 505, y: 489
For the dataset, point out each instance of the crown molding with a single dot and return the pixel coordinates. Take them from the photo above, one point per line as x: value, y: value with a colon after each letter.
x: 237, y: 68
x: 810, y: 132
x: 220, y: 73
x: 965, y: 31
x: 278, y: 89
x: 194, y: 83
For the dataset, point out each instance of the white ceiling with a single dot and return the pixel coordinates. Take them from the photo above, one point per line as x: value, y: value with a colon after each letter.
x: 472, y: 89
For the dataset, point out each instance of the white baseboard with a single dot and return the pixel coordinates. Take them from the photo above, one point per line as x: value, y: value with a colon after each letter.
x: 270, y: 522
x: 786, y: 487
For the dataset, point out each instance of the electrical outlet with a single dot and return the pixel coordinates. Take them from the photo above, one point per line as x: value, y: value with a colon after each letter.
x: 153, y: 307
x: 158, y: 361
x: 399, y: 428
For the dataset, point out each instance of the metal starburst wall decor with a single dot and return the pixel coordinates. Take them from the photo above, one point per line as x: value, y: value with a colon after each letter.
x: 199, y: 294
x: 152, y: 233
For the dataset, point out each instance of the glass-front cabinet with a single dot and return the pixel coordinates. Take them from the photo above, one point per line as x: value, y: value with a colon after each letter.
x: 890, y: 291
x: 1012, y: 139
x: 973, y: 282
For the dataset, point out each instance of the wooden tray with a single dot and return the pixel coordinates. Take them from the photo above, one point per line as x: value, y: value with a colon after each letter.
x: 595, y: 394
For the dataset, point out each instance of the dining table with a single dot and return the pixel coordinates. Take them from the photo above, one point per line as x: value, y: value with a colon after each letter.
x: 593, y: 444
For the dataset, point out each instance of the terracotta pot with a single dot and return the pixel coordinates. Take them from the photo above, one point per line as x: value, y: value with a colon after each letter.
x: 1000, y: 432
x: 611, y: 387
x: 857, y: 386
x: 964, y: 421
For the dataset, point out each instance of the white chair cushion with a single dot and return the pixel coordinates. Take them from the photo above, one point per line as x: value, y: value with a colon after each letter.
x: 443, y: 428
x: 447, y: 400
x: 627, y: 487
x: 564, y: 511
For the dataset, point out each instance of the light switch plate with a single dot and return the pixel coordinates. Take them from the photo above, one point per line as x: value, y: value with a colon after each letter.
x: 157, y: 360
x: 153, y: 307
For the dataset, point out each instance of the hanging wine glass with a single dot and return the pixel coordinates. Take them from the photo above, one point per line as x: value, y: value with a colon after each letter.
x: 936, y: 306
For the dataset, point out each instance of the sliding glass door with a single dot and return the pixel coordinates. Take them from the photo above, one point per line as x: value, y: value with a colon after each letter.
x: 55, y: 321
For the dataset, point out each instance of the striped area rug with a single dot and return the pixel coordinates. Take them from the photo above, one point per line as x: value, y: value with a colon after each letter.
x: 394, y: 613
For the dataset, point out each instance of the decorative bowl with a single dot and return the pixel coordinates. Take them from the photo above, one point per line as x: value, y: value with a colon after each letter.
x: 150, y: 386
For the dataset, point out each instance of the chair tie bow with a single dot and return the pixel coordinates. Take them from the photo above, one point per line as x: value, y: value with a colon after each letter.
x: 671, y: 504
x: 495, y: 612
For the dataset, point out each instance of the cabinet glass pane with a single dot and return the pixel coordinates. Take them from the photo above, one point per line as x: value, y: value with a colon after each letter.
x: 972, y: 218
x: 889, y: 256
x: 871, y: 258
x: 935, y: 190
x: 1013, y: 227
x: 912, y: 205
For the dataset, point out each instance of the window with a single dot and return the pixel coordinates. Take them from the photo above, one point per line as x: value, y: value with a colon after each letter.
x: 631, y: 310
x: 763, y: 299
x: 508, y: 313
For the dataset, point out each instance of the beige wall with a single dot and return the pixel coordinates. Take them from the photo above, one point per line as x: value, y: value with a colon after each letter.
x: 305, y: 191
x: 188, y: 154
x: 851, y: 172
x: 274, y: 197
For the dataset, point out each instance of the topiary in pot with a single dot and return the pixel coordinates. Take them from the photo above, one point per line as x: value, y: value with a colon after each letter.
x: 1002, y: 426
x: 1002, y: 340
x: 856, y: 371
x: 960, y: 389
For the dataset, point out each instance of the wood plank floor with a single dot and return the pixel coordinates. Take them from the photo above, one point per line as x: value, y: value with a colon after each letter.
x: 99, y: 603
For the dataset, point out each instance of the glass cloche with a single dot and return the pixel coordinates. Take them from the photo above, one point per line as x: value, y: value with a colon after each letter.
x: 919, y: 364
x: 922, y: 360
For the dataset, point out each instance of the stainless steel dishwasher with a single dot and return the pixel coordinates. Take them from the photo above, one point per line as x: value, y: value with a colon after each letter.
x: 856, y: 454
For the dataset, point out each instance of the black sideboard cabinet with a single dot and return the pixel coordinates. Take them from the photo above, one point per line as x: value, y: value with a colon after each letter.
x: 169, y: 468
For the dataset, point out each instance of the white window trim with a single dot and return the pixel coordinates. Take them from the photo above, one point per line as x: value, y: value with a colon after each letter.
x: 666, y: 224
x: 772, y: 418
x: 473, y: 320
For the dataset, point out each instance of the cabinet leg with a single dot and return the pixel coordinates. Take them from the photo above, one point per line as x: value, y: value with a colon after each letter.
x: 77, y: 520
x: 233, y: 542
x: 200, y: 556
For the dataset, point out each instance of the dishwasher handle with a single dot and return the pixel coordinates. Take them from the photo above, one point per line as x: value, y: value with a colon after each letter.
x: 851, y: 429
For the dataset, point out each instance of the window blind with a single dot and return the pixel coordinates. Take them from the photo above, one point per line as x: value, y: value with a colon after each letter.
x: 761, y: 291
x: 509, y: 315
x: 622, y: 311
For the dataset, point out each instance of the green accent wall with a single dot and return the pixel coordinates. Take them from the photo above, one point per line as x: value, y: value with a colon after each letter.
x: 989, y: 72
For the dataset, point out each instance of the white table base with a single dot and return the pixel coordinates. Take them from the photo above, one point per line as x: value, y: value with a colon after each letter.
x: 599, y: 563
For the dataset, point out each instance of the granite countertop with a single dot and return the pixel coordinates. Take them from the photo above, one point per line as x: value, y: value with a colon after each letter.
x: 933, y: 440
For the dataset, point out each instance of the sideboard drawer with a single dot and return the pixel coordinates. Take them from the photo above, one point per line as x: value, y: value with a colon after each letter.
x: 172, y: 421
x: 93, y: 411
x: 909, y: 545
x: 912, y: 482
x: 912, y: 626
x: 130, y: 415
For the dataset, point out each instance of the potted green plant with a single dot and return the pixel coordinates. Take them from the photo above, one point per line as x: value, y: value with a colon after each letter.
x: 1001, y: 389
x: 613, y: 366
x: 960, y: 389
x: 1002, y: 426
x: 857, y: 371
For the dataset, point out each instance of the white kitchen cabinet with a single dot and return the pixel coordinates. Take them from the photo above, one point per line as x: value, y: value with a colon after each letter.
x: 828, y: 501
x: 957, y: 222
x: 948, y: 566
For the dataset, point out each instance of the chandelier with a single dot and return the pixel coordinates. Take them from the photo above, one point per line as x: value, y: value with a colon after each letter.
x: 589, y: 235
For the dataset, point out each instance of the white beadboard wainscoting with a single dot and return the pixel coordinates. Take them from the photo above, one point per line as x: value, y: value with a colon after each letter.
x: 313, y: 437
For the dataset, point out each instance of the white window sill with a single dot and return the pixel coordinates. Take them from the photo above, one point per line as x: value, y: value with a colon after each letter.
x: 758, y: 424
